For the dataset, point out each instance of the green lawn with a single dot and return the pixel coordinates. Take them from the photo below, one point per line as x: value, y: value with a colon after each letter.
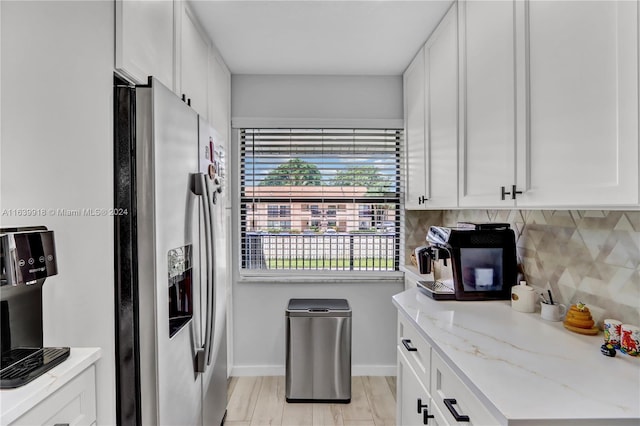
x: 371, y: 263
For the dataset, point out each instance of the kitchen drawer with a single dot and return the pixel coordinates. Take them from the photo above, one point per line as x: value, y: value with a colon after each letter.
x: 73, y: 404
x: 447, y: 387
x: 416, y: 349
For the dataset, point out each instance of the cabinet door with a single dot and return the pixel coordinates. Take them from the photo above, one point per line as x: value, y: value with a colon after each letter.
x: 454, y: 399
x: 487, y: 116
x: 219, y: 96
x: 220, y: 118
x: 441, y: 62
x: 583, y: 97
x: 144, y: 40
x: 410, y: 394
x: 416, y: 183
x: 194, y: 59
x: 73, y: 404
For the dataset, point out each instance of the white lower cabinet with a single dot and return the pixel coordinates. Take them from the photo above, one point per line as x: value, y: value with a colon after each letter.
x: 414, y: 406
x: 429, y: 391
x: 74, y: 404
x: 413, y: 399
x: 454, y: 399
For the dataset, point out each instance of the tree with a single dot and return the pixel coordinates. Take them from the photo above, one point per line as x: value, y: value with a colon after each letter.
x: 368, y: 176
x: 294, y: 172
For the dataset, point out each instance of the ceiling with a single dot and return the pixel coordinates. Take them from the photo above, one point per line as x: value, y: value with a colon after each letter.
x: 372, y: 37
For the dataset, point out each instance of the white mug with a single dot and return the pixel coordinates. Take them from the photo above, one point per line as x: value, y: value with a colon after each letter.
x: 484, y: 277
x: 553, y: 312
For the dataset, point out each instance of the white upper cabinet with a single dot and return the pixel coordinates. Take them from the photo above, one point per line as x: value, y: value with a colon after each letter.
x: 416, y: 182
x: 220, y: 111
x: 549, y: 104
x: 582, y: 148
x: 441, y: 64
x: 194, y: 62
x: 219, y: 96
x: 487, y: 113
x: 431, y: 112
x: 144, y: 40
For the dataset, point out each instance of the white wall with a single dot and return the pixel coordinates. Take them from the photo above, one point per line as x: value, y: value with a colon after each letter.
x: 304, y: 100
x: 56, y: 152
x: 258, y: 309
x: 259, y: 324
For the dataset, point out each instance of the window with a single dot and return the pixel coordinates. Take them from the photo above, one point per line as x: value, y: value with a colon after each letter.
x: 285, y: 211
x: 341, y: 187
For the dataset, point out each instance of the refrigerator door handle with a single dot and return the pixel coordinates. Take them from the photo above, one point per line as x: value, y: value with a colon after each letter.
x: 211, y: 263
x: 200, y: 187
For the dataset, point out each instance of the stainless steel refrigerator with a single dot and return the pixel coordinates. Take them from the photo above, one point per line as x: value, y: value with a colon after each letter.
x: 171, y: 276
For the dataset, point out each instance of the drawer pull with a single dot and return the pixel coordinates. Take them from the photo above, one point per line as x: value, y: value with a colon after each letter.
x: 407, y: 344
x: 458, y: 417
x: 421, y: 406
x: 425, y: 414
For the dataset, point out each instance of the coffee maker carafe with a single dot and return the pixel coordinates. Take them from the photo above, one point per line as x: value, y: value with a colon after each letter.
x: 27, y: 258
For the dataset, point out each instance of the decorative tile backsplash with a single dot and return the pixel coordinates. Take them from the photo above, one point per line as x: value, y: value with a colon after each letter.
x: 588, y: 256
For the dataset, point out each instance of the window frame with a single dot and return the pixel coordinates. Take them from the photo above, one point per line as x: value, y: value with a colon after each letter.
x: 244, y: 275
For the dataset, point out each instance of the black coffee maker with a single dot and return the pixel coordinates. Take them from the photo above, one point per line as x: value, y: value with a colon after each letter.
x: 27, y: 258
x: 482, y: 259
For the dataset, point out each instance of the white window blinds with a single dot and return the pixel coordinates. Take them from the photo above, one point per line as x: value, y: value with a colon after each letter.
x: 320, y: 199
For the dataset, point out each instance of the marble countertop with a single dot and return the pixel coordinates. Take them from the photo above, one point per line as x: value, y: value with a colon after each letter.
x: 16, y: 402
x: 523, y: 367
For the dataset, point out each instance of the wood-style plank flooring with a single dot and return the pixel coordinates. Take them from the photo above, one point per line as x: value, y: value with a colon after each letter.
x: 261, y: 401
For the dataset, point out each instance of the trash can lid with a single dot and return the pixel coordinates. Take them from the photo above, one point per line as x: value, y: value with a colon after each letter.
x: 318, y: 305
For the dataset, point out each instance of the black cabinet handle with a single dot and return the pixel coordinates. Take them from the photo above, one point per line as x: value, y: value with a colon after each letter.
x: 407, y: 344
x: 458, y: 417
x: 514, y: 192
x: 503, y: 193
x: 421, y: 405
x: 426, y: 416
x: 422, y: 199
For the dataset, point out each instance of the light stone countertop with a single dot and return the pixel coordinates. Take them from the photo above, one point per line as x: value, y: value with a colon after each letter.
x: 523, y: 367
x: 16, y: 402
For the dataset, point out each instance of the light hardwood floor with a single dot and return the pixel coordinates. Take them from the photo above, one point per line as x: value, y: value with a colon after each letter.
x: 261, y: 401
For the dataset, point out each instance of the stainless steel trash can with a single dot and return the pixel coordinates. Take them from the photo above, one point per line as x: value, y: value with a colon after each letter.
x: 318, y: 365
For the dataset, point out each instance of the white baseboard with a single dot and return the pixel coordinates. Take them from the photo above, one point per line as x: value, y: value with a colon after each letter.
x: 257, y: 370
x: 374, y: 370
x: 279, y: 370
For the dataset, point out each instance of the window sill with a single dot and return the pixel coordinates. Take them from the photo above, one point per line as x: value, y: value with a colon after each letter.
x: 288, y: 277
